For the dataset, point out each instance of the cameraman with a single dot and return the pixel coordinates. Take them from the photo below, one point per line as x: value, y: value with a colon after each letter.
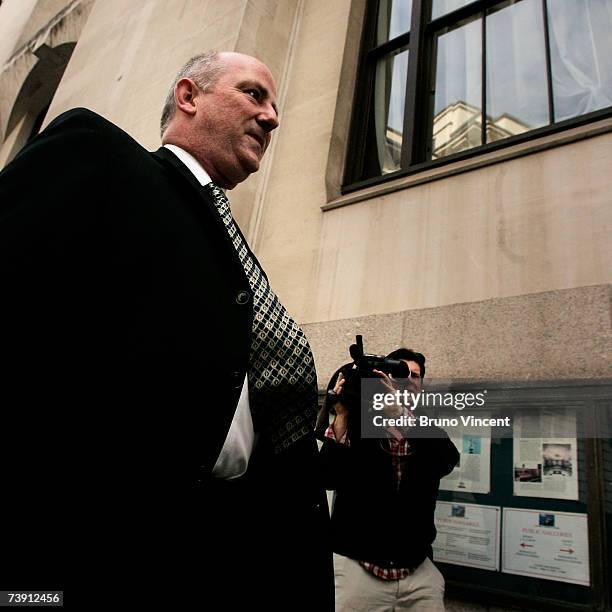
x: 386, y: 489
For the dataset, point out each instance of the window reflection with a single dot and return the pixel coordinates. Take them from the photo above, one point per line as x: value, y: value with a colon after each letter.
x: 441, y: 7
x: 457, y: 107
x: 389, y: 99
x: 393, y: 19
x: 536, y: 69
x: 580, y: 35
x: 517, y: 95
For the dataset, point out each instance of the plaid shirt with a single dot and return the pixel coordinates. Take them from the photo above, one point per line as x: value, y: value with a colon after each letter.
x: 398, y: 450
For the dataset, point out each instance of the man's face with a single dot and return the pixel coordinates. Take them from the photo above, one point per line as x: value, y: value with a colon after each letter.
x: 415, y: 374
x: 235, y: 119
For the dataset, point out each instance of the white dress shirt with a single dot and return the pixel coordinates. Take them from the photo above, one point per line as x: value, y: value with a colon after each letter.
x: 238, y: 446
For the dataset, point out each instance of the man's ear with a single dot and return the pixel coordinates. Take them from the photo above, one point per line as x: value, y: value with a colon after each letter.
x: 185, y: 93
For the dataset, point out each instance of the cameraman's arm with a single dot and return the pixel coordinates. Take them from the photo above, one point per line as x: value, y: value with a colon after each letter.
x: 335, y: 456
x: 335, y: 462
x: 339, y: 429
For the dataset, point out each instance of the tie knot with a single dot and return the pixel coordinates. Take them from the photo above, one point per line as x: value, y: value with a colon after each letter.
x: 215, y: 190
x: 220, y: 199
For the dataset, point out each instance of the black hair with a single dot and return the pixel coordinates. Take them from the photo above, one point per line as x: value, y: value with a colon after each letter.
x: 409, y: 355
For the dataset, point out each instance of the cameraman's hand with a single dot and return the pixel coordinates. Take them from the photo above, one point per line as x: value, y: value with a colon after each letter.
x: 386, y: 381
x: 393, y: 410
x: 340, y: 423
x: 340, y: 408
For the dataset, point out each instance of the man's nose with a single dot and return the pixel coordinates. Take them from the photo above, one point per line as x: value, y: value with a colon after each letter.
x: 267, y: 118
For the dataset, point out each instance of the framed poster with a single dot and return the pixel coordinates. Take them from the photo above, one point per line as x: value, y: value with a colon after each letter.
x: 468, y: 535
x: 546, y: 544
x: 473, y: 472
x: 545, y: 455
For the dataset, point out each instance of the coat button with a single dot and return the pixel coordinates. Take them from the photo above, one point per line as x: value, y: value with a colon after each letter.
x: 242, y: 297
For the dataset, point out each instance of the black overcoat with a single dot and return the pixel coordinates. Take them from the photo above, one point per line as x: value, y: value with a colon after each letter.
x: 126, y: 330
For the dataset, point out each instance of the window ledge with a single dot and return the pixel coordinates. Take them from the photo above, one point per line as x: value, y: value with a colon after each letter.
x: 480, y: 161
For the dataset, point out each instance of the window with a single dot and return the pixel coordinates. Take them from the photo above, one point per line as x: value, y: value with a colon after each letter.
x: 445, y: 79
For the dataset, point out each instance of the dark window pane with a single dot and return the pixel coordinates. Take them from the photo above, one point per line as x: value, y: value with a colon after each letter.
x: 515, y: 84
x: 580, y: 34
x: 393, y: 19
x: 517, y: 95
x: 457, y: 106
x: 441, y: 7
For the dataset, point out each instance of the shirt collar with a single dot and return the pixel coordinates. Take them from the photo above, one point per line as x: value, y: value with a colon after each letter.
x: 192, y: 163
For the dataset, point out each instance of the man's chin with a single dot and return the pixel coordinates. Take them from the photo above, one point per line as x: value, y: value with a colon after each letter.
x: 248, y: 166
x: 250, y: 163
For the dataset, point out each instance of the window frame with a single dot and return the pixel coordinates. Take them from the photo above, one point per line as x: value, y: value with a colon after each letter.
x: 420, y: 42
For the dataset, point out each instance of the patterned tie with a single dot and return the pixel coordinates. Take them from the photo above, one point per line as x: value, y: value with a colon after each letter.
x: 282, y: 377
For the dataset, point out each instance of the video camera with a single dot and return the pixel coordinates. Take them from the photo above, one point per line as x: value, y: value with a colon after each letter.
x: 364, y: 365
x: 366, y: 362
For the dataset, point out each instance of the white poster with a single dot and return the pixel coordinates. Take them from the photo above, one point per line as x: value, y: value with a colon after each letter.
x: 547, y: 465
x: 473, y: 472
x: 546, y: 544
x: 468, y: 534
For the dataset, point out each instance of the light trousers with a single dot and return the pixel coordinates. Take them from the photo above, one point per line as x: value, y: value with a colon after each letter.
x: 357, y: 590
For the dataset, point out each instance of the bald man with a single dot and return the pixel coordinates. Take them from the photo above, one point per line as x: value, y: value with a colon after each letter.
x: 161, y: 400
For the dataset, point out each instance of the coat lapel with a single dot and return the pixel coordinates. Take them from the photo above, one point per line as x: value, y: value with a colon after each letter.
x: 201, y: 201
x: 181, y: 173
x: 179, y: 169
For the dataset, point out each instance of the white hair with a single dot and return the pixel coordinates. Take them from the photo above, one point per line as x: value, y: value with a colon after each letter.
x: 204, y: 69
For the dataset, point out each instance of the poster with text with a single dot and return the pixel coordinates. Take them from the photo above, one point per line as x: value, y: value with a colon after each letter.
x: 473, y: 472
x: 546, y: 544
x: 468, y: 534
x: 545, y: 454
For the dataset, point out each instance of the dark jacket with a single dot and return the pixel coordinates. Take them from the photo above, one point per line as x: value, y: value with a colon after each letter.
x: 123, y: 353
x: 374, y: 521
